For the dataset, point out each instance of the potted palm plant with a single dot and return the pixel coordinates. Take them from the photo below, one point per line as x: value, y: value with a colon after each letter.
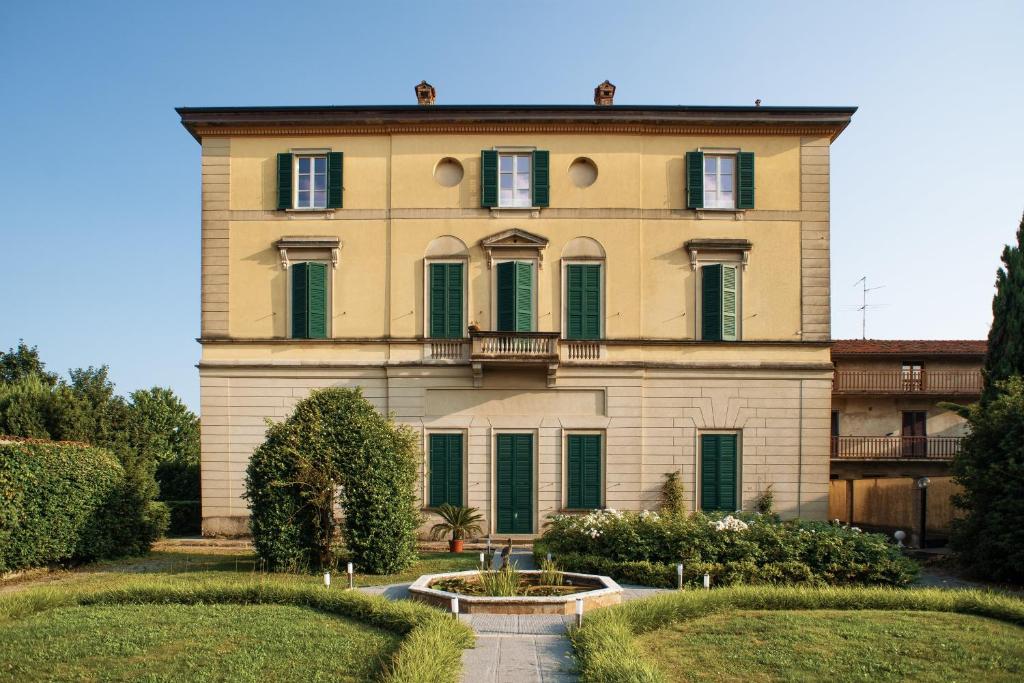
x: 460, y: 522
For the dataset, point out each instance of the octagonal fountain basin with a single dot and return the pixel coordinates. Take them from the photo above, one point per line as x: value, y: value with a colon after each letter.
x: 594, y: 590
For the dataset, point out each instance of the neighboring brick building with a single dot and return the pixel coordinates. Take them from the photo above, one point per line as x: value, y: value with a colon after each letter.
x: 566, y: 302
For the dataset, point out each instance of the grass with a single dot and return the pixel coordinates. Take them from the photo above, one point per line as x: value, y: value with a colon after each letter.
x: 610, y: 645
x: 430, y: 642
x: 757, y: 645
x: 192, y: 642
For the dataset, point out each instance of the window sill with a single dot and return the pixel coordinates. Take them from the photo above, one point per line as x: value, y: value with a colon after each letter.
x: 313, y: 211
x: 498, y: 211
x: 721, y: 214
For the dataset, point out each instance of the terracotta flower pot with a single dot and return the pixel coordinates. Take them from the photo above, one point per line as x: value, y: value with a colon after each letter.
x: 455, y: 546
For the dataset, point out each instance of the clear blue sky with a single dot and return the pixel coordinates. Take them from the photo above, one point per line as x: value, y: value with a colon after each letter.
x: 100, y: 184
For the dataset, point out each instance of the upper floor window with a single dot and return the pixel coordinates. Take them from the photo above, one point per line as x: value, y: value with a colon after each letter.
x: 719, y: 182
x: 719, y: 311
x: 309, y: 181
x: 514, y: 180
x: 446, y: 288
x: 582, y: 301
x: 514, y: 296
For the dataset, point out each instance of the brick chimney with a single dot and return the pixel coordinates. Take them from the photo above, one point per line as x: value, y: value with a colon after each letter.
x: 425, y: 94
x: 604, y: 94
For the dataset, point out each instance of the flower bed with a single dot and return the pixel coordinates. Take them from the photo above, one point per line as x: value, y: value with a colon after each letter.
x: 645, y: 548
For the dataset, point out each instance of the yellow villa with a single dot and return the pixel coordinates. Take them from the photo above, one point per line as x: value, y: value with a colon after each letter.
x: 566, y: 302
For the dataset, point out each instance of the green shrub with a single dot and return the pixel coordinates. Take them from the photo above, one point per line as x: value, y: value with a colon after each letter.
x: 185, y: 517
x: 335, y: 441
x: 606, y: 647
x: 646, y: 547
x: 672, y: 493
x: 66, y: 503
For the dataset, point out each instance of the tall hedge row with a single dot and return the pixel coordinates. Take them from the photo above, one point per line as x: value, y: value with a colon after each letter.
x: 66, y: 502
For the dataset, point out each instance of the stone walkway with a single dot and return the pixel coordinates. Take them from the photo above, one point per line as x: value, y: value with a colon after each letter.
x: 524, y: 648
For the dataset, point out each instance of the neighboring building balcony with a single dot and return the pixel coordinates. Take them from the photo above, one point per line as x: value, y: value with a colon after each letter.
x: 924, y: 382
x: 895, y: 447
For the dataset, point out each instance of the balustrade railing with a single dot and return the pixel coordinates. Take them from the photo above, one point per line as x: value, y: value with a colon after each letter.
x: 515, y: 345
x: 896, y: 447
x: 902, y: 382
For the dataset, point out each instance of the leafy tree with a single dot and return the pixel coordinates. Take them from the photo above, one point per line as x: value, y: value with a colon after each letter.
x: 989, y: 538
x: 163, y: 428
x: 22, y: 362
x: 1005, y: 356
x: 335, y: 449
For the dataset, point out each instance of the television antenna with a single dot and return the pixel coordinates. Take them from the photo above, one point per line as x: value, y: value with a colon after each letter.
x: 864, y: 306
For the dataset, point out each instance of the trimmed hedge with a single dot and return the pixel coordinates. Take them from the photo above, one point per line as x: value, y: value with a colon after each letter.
x: 186, y: 518
x: 607, y: 650
x: 646, y: 547
x: 63, y: 503
x: 431, y: 649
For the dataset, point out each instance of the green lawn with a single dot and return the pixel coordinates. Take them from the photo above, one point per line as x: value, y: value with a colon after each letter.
x: 191, y: 642
x: 812, y: 645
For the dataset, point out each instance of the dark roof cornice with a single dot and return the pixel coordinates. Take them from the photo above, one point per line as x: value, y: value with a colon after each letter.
x: 384, y: 119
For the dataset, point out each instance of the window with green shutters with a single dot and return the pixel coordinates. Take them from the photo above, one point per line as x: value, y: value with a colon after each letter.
x: 719, y: 181
x: 309, y: 300
x: 445, y: 469
x: 514, y: 484
x: 583, y: 301
x: 515, y: 179
x: 718, y: 472
x: 583, y: 471
x: 310, y: 181
x: 514, y: 282
x: 719, y: 302
x: 445, y: 281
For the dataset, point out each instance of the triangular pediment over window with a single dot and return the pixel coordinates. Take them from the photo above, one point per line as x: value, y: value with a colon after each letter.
x: 514, y: 243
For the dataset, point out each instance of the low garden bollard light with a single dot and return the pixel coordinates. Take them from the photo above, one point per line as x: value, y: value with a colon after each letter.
x: 327, y: 579
x: 549, y: 557
x: 455, y: 607
x: 483, y: 565
x: 579, y: 612
x: 707, y: 582
x: 899, y: 536
x: 351, y: 577
x: 679, y: 574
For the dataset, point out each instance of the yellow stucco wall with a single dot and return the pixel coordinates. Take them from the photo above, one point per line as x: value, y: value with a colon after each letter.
x: 649, y: 286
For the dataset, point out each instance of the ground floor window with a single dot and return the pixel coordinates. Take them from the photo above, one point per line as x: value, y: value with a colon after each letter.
x: 445, y: 469
x: 583, y: 471
x: 718, y: 472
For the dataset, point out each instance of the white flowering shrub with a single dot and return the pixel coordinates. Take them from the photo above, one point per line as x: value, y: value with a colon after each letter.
x: 645, y: 547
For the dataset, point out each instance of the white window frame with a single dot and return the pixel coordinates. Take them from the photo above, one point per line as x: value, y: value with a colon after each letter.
x: 565, y: 295
x: 534, y: 295
x: 717, y: 203
x: 515, y: 155
x: 288, y: 297
x: 465, y: 293
x: 312, y: 176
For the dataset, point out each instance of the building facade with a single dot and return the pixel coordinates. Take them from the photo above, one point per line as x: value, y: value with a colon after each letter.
x: 566, y: 302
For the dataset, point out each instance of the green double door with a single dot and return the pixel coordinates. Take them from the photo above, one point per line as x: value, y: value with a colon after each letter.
x: 718, y: 472
x: 515, y: 484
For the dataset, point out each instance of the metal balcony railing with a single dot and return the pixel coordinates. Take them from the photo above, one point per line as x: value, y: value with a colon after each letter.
x: 938, y: 383
x: 896, y: 447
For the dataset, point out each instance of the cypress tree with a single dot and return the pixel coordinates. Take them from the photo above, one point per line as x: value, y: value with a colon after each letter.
x: 1005, y: 356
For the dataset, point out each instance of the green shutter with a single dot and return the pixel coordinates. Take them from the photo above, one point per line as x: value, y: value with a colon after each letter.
x: 729, y: 295
x: 335, y: 167
x: 284, y: 181
x: 514, y: 479
x: 309, y: 300
x: 317, y: 273
x: 583, y: 301
x: 695, y: 180
x: 445, y: 282
x: 488, y: 178
x: 300, y: 298
x: 711, y: 302
x: 524, y: 296
x: 584, y: 471
x: 506, y: 299
x: 718, y: 472
x: 445, y: 469
x: 541, y: 177
x: 745, y: 180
